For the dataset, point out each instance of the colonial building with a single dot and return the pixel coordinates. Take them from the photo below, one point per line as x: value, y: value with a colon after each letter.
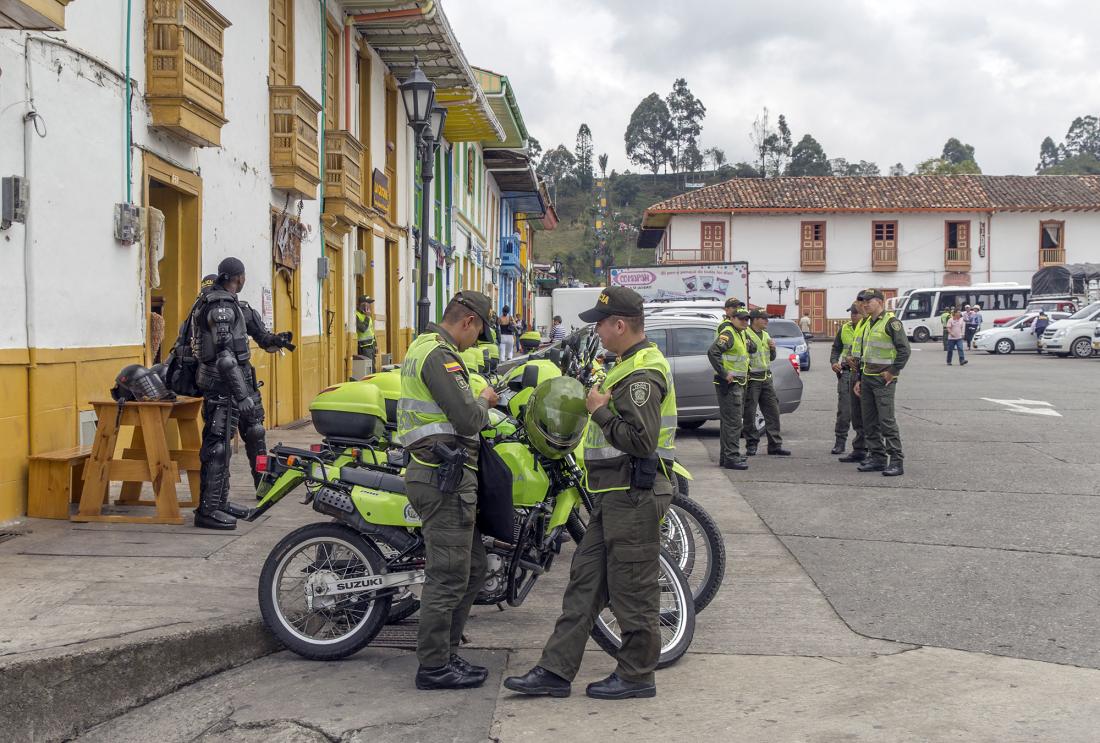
x: 155, y: 137
x: 833, y: 236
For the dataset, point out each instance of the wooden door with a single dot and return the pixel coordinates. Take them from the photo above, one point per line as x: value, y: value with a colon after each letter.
x: 282, y: 42
x: 332, y: 78
x: 333, y: 308
x: 285, y: 368
x: 812, y: 302
x: 712, y: 243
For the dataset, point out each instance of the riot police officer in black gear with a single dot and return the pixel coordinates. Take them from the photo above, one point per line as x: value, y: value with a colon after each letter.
x: 221, y: 325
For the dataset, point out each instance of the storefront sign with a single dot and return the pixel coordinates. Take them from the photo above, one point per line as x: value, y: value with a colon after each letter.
x: 380, y: 193
x: 707, y: 281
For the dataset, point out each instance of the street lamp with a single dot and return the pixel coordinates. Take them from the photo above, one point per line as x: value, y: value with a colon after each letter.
x: 426, y: 120
x: 779, y: 286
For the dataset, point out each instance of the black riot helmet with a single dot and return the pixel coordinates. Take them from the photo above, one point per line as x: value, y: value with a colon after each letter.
x: 139, y: 384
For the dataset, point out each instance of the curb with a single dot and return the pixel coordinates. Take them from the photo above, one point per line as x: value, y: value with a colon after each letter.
x: 57, y: 697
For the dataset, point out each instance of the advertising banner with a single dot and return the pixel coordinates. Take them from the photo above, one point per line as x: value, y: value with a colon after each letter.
x: 717, y: 281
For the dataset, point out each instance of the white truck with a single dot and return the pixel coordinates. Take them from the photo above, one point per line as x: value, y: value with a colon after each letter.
x: 570, y: 303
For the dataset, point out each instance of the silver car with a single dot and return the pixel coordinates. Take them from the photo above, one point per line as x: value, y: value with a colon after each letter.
x: 684, y: 339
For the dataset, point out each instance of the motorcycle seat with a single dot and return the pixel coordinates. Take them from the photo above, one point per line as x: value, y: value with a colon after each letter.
x: 373, y: 479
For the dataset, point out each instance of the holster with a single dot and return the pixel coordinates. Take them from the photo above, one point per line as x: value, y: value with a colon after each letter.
x: 452, y: 462
x: 643, y: 472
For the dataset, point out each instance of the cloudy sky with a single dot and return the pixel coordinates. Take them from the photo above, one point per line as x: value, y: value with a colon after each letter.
x: 879, y: 80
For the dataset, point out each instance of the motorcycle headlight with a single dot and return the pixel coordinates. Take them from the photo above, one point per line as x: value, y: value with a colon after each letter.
x: 800, y: 348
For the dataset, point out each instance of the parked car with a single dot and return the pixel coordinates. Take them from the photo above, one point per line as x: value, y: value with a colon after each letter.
x: 1074, y: 334
x: 787, y: 334
x: 1066, y: 305
x: 1014, y: 336
x: 685, y: 340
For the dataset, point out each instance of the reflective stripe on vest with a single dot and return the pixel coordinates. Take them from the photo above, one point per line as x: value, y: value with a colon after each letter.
x: 596, y: 446
x: 878, y: 347
x: 760, y: 361
x: 735, y: 359
x: 418, y: 415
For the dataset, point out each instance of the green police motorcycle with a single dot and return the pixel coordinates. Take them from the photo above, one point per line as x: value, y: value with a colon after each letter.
x: 326, y: 589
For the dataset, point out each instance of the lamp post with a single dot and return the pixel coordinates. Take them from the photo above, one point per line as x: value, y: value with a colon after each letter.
x: 779, y: 286
x: 426, y: 120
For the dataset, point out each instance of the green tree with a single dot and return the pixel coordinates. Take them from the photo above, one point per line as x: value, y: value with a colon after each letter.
x: 940, y: 166
x: 762, y: 136
x: 649, y: 133
x: 558, y: 165
x: 897, y: 169
x: 771, y: 145
x: 1076, y: 165
x: 717, y: 157
x: 582, y: 155
x: 534, y: 151
x: 808, y: 158
x: 840, y: 166
x: 603, y: 165
x: 691, y: 159
x: 957, y: 153
x: 739, y: 170
x: 624, y: 189
x: 1049, y: 156
x: 687, y: 113
x: 1083, y: 137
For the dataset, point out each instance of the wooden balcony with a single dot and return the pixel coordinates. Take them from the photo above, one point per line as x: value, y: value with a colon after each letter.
x: 295, y: 161
x: 884, y: 259
x: 33, y: 15
x: 956, y: 259
x: 343, y: 178
x: 813, y: 259
x: 1052, y: 257
x: 184, y: 84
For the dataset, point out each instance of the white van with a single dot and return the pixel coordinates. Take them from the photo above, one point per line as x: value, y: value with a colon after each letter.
x: 1072, y: 335
x: 920, y: 310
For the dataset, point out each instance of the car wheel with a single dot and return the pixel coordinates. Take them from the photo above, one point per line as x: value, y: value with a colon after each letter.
x: 690, y: 425
x: 921, y: 335
x: 1004, y: 345
x: 1082, y: 348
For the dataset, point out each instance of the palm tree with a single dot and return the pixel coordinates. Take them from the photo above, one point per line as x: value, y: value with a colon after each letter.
x: 603, y: 165
x: 717, y: 158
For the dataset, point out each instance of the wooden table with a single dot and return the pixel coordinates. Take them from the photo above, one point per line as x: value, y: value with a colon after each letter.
x: 147, y: 460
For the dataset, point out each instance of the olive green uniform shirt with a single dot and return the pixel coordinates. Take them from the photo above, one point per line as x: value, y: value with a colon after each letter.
x: 722, y: 344
x: 896, y: 331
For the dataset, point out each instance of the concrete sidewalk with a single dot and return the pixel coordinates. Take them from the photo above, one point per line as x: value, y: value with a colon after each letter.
x: 99, y: 618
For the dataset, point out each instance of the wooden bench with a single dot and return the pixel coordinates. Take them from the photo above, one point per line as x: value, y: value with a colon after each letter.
x: 54, y: 481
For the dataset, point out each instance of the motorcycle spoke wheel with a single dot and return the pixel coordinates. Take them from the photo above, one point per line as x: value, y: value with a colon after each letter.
x: 692, y: 538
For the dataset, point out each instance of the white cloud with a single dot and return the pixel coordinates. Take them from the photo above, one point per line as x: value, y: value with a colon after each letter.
x: 880, y: 80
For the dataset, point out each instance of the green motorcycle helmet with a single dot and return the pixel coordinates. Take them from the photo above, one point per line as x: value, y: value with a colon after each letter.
x: 555, y: 416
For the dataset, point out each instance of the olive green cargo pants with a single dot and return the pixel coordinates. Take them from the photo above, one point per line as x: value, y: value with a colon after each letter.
x: 615, y: 564
x: 859, y: 443
x: 731, y: 400
x: 760, y: 393
x: 456, y: 561
x: 880, y: 427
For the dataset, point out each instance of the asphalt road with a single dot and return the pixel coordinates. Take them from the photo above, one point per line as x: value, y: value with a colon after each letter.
x: 990, y: 540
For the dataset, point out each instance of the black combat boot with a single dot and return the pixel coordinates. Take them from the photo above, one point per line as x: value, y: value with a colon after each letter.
x: 779, y: 451
x: 459, y: 662
x: 614, y: 687
x: 838, y: 447
x: 750, y: 449
x: 449, y: 676
x: 894, y: 470
x: 213, y: 519
x: 539, y: 682
x: 857, y: 455
x: 871, y: 465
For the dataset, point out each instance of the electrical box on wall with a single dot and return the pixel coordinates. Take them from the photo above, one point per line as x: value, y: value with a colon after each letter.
x: 322, y: 268
x: 128, y: 224
x: 15, y: 195
x: 359, y: 260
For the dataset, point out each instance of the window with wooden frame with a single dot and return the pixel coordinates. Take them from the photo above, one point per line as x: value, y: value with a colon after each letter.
x: 332, y: 77
x: 712, y: 241
x: 813, y: 246
x: 1052, y: 243
x: 281, y: 70
x: 956, y: 246
x: 884, y: 246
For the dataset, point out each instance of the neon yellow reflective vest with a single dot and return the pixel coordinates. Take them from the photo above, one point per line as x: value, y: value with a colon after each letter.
x: 735, y: 359
x: 418, y: 415
x: 760, y: 362
x: 847, y: 337
x: 598, y: 451
x: 365, y: 336
x: 857, y: 338
x: 878, y: 347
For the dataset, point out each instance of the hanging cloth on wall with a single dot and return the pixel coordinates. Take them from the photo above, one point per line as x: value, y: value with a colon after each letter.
x: 155, y: 233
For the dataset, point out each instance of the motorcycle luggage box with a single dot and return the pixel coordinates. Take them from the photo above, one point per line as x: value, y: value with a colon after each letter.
x: 352, y: 410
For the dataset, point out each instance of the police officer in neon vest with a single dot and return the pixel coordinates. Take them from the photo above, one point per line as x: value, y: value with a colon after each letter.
x: 729, y: 356
x: 628, y: 452
x: 760, y: 392
x: 859, y: 442
x: 838, y: 356
x: 364, y: 328
x: 885, y: 351
x: 438, y: 420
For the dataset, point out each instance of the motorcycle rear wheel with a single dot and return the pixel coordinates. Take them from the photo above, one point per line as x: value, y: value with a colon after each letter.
x: 693, y: 540
x: 334, y: 626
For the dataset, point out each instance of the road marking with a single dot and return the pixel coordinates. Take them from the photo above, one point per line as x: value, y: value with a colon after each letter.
x: 1034, y: 407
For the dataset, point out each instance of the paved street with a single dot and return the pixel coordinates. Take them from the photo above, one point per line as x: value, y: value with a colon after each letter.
x: 956, y: 603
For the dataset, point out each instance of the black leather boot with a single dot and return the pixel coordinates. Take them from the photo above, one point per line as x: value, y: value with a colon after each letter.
x: 857, y: 455
x: 750, y: 449
x: 449, y: 676
x: 871, y: 465
x: 838, y: 447
x: 738, y: 463
x: 614, y: 687
x: 459, y: 662
x: 234, y: 510
x: 214, y: 520
x: 779, y: 451
x: 894, y: 470
x: 539, y: 682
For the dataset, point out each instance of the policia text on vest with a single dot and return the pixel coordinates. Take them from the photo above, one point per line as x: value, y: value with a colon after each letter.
x: 630, y: 437
x: 438, y: 420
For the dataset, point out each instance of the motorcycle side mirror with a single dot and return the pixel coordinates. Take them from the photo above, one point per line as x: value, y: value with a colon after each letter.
x: 530, y: 376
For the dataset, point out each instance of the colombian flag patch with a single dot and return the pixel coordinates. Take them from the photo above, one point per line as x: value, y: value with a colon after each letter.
x: 452, y: 366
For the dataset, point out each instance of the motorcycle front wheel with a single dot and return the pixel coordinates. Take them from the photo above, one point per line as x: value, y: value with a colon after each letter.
x: 292, y: 585
x: 695, y: 543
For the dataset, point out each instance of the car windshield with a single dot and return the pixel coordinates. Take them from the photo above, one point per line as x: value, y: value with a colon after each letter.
x: 1086, y: 313
x: 783, y: 329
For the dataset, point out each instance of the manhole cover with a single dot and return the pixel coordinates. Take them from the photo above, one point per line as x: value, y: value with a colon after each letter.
x: 401, y: 635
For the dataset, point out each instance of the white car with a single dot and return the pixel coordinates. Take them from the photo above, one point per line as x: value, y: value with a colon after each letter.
x: 1074, y: 334
x: 1018, y: 335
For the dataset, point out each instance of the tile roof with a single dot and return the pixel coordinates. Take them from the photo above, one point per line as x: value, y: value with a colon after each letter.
x: 939, y: 192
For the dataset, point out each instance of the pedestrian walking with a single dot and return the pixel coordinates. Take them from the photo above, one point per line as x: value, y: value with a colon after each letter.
x: 507, y: 326
x: 364, y: 329
x: 838, y: 358
x: 859, y: 443
x: 557, y: 332
x: 973, y: 318
x: 805, y: 323
x: 944, y: 317
x: 438, y: 419
x: 956, y: 332
x: 1039, y: 327
x: 729, y: 356
x: 760, y: 392
x: 628, y: 452
x: 885, y: 352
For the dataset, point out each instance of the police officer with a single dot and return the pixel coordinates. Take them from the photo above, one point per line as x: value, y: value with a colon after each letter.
x: 884, y: 354
x: 221, y: 325
x: 438, y: 420
x: 838, y: 358
x: 760, y: 391
x: 729, y: 355
x: 859, y: 442
x: 364, y: 328
x: 630, y: 439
